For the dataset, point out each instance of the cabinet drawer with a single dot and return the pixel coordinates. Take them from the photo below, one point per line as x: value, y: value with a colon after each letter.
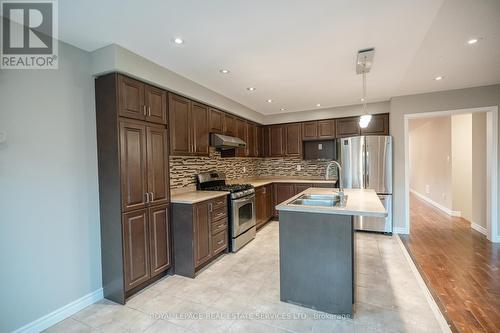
x: 219, y: 225
x: 219, y: 242
x: 219, y: 213
x: 219, y: 202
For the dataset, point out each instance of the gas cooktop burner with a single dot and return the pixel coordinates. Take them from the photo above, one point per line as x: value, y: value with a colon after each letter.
x: 230, y: 187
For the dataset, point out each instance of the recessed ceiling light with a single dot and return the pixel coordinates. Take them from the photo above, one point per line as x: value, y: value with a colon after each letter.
x: 318, y: 105
x: 224, y: 71
x: 438, y: 78
x: 472, y: 41
x: 282, y: 109
x: 250, y: 88
x: 362, y: 99
x: 269, y: 100
x: 178, y: 40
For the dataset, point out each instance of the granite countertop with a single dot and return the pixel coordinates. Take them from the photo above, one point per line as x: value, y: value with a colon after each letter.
x: 256, y: 182
x: 360, y: 202
x: 194, y: 196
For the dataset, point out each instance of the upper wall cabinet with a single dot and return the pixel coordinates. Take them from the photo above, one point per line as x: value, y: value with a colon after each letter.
x: 188, y: 127
x: 228, y: 124
x: 241, y: 132
x: 293, y: 140
x: 347, y: 127
x: 141, y: 101
x: 251, y: 131
x: 276, y: 140
x: 379, y: 125
x: 216, y: 120
x: 318, y: 130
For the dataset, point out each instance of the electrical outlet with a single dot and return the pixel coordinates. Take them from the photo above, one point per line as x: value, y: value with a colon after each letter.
x: 299, y: 167
x: 427, y: 189
x: 244, y: 169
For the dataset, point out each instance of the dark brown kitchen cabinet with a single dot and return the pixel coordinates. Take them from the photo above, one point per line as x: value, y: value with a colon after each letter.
x: 228, y: 124
x: 138, y: 100
x: 263, y: 205
x: 260, y: 141
x: 215, y: 119
x: 159, y: 239
x: 326, y: 129
x: 241, y: 132
x: 282, y: 192
x: 293, y: 140
x: 200, y: 233
x: 276, y: 141
x: 310, y: 130
x: 251, y: 131
x: 133, y: 184
x: 199, y: 122
x: 144, y: 164
x: 136, y: 248
x: 379, y: 125
x: 347, y: 127
x: 188, y: 127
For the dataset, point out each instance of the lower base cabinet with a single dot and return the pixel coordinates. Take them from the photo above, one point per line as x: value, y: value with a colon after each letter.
x: 146, y: 245
x: 263, y: 204
x: 200, y: 233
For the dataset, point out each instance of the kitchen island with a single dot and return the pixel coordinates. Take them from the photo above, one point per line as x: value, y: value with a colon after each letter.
x: 316, y: 240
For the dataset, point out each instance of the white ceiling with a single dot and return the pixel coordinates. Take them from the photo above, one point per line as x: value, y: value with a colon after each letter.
x: 300, y: 53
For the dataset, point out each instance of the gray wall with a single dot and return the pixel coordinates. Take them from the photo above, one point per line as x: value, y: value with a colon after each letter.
x: 438, y: 101
x: 49, y: 229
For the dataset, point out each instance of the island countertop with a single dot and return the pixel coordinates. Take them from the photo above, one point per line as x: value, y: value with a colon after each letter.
x: 360, y: 202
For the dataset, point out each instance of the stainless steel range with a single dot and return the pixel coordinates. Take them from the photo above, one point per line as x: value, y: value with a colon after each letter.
x: 241, y: 207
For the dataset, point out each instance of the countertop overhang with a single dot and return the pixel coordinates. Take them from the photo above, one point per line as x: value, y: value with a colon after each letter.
x: 360, y: 202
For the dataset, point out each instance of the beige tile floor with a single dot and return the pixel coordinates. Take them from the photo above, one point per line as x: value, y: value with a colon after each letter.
x: 388, y: 298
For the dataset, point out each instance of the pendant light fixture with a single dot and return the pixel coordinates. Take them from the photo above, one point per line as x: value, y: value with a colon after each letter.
x: 363, y: 66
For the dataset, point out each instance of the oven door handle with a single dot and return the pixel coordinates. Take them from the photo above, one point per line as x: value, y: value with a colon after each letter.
x: 244, y: 199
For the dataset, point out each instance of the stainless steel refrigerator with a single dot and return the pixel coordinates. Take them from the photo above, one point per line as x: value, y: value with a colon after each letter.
x: 367, y: 163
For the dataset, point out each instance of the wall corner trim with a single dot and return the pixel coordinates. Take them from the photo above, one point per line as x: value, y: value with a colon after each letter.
x: 62, y: 313
x: 479, y: 228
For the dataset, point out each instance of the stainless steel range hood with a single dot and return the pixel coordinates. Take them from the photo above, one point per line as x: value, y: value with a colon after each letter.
x: 226, y: 142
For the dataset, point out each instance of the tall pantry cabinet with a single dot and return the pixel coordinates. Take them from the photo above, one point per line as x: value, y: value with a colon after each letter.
x: 134, y: 191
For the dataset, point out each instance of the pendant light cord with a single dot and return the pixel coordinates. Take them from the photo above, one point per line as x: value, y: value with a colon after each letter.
x: 364, y: 88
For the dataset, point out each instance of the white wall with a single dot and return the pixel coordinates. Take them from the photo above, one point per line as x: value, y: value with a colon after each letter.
x: 430, y: 159
x: 479, y: 186
x: 49, y: 228
x: 430, y: 102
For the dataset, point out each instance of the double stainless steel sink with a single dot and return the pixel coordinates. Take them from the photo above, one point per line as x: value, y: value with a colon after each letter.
x: 322, y: 200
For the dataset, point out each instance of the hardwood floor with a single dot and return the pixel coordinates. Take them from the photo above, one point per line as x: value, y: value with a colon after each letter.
x: 459, y: 265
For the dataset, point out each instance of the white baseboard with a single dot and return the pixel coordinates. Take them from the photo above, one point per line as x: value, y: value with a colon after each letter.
x: 479, y: 228
x: 62, y: 313
x: 442, y: 208
x: 403, y: 230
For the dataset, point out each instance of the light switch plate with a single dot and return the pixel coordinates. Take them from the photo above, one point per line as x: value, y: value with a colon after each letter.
x: 3, y: 136
x: 320, y: 146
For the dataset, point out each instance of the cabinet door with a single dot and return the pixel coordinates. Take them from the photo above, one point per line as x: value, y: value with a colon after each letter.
x: 251, y: 139
x: 310, y: 130
x: 302, y: 187
x: 228, y: 125
x: 326, y: 129
x: 283, y: 191
x: 269, y: 202
x: 215, y: 120
x: 180, y: 123
x: 131, y: 98
x: 241, y: 132
x: 379, y: 125
x: 202, y: 233
x: 199, y: 127
x: 260, y: 205
x: 157, y: 165
x: 159, y: 239
x: 276, y: 144
x: 259, y: 147
x: 293, y: 139
x: 156, y: 104
x: 266, y: 141
x: 133, y: 164
x: 347, y: 127
x: 135, y: 248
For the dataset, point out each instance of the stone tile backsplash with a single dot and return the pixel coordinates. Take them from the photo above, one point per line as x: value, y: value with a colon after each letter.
x: 183, y: 169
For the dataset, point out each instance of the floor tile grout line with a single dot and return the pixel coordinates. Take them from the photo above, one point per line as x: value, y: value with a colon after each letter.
x: 428, y: 296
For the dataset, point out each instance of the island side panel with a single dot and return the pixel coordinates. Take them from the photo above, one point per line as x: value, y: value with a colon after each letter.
x: 316, y: 261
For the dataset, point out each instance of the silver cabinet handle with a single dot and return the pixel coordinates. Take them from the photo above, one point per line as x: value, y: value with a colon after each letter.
x: 144, y: 109
x: 220, y: 242
x: 147, y: 197
x: 152, y: 196
x: 149, y: 110
x: 210, y: 207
